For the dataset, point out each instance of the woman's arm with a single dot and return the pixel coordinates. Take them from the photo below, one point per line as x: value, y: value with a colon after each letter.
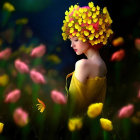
x: 82, y: 70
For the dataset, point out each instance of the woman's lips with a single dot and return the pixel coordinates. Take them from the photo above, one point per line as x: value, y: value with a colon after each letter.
x: 75, y: 50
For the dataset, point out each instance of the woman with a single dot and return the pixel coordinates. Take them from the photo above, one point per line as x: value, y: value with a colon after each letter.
x: 88, y: 28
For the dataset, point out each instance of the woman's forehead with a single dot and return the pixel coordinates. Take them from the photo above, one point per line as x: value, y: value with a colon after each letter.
x: 74, y: 37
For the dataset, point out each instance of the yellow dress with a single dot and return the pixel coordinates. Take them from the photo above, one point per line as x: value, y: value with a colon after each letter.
x: 81, y: 95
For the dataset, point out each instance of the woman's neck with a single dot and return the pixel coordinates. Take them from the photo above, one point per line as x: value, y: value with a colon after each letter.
x: 91, y: 53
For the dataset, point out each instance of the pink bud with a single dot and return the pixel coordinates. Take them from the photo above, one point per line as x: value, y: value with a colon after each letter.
x: 21, y: 66
x: 95, y: 25
x: 58, y: 97
x: 38, y: 51
x: 37, y: 77
x: 137, y: 43
x: 20, y: 117
x: 118, y: 55
x: 5, y: 54
x: 138, y: 95
x: 126, y: 111
x: 13, y: 96
x: 87, y: 7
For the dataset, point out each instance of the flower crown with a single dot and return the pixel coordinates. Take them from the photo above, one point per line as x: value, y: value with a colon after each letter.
x: 88, y: 23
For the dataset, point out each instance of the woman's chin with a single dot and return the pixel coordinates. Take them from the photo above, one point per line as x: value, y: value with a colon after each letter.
x: 78, y: 53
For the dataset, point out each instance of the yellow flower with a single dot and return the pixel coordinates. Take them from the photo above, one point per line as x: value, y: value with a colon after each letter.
x: 41, y: 106
x: 94, y: 15
x: 93, y: 30
x: 103, y: 26
x: 63, y: 28
x: 97, y: 35
x: 66, y: 13
x: 101, y: 32
x: 76, y: 26
x: 4, y: 79
x: 64, y: 36
x: 71, y: 30
x: 84, y: 40
x: 90, y: 4
x: 22, y: 21
x: 1, y: 127
x: 106, y: 124
x: 81, y: 10
x: 95, y: 20
x: 104, y: 42
x: 93, y: 9
x: 85, y: 9
x: 90, y: 27
x: 80, y: 20
x: 77, y: 34
x: 89, y: 21
x: 79, y: 29
x: 89, y: 14
x: 94, y: 110
x: 106, y: 20
x: 84, y: 15
x: 97, y: 12
x: 75, y: 124
x: 67, y: 19
x: 100, y: 21
x: 104, y: 10
x: 98, y: 8
x: 91, y: 37
x: 54, y: 58
x: 91, y: 42
x: 70, y: 24
x: 84, y: 21
x: 8, y: 6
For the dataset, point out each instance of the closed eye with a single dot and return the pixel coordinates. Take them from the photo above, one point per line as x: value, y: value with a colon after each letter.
x: 76, y: 40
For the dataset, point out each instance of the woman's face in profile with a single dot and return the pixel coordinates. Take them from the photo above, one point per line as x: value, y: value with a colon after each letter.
x: 79, y: 46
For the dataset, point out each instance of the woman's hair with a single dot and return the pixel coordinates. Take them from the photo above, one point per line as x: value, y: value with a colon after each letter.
x: 88, y: 23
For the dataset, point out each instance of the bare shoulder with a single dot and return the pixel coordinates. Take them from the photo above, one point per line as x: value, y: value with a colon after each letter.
x: 100, y: 68
x: 82, y: 70
x: 81, y: 63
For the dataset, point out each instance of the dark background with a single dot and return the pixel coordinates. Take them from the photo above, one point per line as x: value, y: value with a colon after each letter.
x: 45, y: 21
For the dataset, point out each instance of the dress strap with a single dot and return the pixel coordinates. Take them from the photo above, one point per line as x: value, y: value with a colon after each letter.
x: 66, y: 87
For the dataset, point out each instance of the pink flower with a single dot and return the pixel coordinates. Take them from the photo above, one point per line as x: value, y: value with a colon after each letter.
x: 13, y: 96
x: 126, y: 111
x: 95, y: 25
x: 5, y: 54
x: 87, y: 7
x: 138, y: 95
x: 58, y: 97
x: 20, y: 117
x: 21, y: 66
x: 118, y: 55
x: 137, y: 43
x: 37, y: 77
x: 38, y: 51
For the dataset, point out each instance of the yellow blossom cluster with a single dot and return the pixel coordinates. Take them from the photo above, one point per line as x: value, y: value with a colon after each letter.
x: 106, y: 124
x: 1, y: 127
x: 22, y: 21
x: 4, y: 79
x: 88, y: 23
x: 9, y: 7
x: 75, y: 124
x: 94, y: 110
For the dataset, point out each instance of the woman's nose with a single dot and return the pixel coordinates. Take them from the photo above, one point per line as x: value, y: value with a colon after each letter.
x: 72, y: 45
